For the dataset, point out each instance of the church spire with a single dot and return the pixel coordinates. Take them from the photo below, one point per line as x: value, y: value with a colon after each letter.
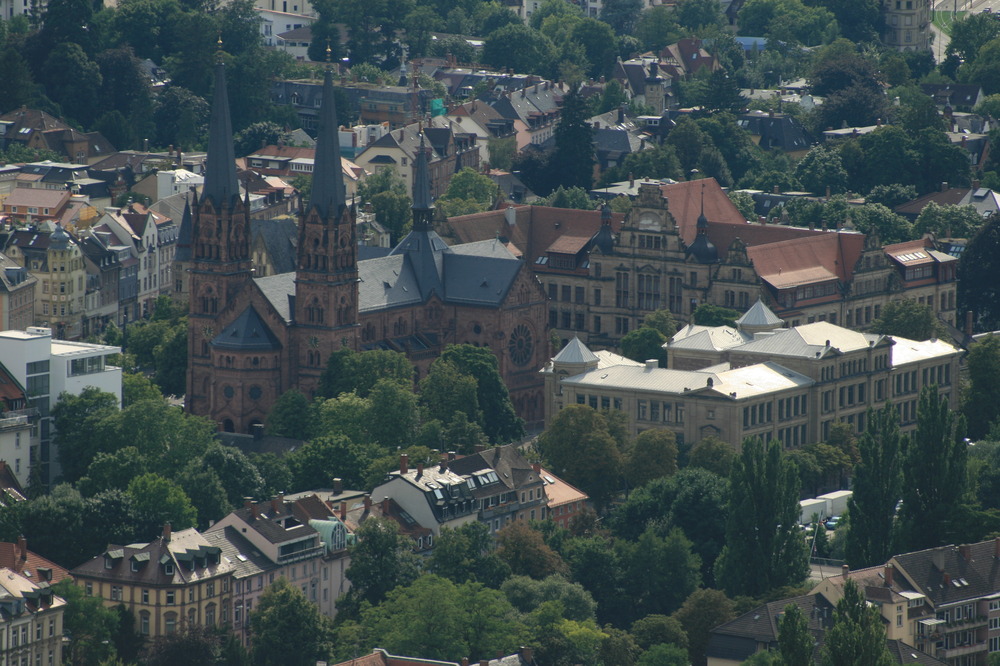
x: 328, y: 196
x: 423, y: 209
x: 220, y: 171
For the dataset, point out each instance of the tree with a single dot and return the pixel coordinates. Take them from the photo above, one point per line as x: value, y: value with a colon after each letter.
x: 180, y: 117
x: 795, y: 641
x: 970, y: 34
x: 159, y: 501
x: 573, y: 157
x: 857, y: 635
x: 724, y: 93
x: 878, y: 479
x: 76, y: 421
x: 206, y: 492
x: 90, y: 624
x: 707, y: 314
x: 194, y: 645
x: 525, y: 552
x: 908, y: 319
x: 519, y: 48
x: 289, y: 416
x: 600, y: 47
x: 137, y: 387
x: 892, y: 195
x: 445, y: 391
x: 621, y: 15
x: 660, y: 572
x: 822, y: 168
x: 381, y: 560
x: 500, y: 422
x: 315, y: 463
x: 467, y: 619
x: 284, y: 617
x: 977, y: 291
x: 697, y: 14
x: 981, y: 400
x: 934, y: 473
x: 468, y: 192
x: 662, y: 321
x: 947, y: 221
x: 744, y: 202
x: 579, y: 447
x: 238, y: 475
x: 526, y: 594
x: 645, y: 343
x: 258, y: 135
x: 764, y: 549
x: 700, y: 510
x: 701, y: 612
x: 657, y: 28
x: 658, y: 161
x: 657, y: 629
x: 466, y: 553
x: 573, y: 197
x: 653, y: 455
x: 394, y: 414
x: 714, y: 455
x: 347, y: 371
x: 17, y: 86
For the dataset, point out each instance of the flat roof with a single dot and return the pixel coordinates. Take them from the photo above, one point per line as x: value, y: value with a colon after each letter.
x: 911, y: 351
x: 68, y: 348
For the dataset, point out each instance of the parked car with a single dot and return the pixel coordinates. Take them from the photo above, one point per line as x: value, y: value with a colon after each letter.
x: 832, y: 522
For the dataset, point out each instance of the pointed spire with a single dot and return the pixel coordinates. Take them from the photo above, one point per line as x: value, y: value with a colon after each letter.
x: 702, y: 225
x: 422, y: 207
x: 328, y: 193
x: 220, y: 172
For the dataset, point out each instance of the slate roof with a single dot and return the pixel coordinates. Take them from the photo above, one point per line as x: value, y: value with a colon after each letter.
x: 971, y: 578
x: 512, y: 469
x: 245, y: 558
x: 907, y: 654
x: 280, y: 237
x: 180, y: 547
x: 776, y: 131
x: 248, y: 332
x: 279, y: 290
x: 761, y: 625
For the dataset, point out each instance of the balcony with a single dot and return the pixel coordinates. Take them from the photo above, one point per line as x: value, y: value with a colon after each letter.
x: 961, y: 650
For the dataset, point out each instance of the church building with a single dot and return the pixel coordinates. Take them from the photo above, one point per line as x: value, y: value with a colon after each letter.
x: 253, y: 337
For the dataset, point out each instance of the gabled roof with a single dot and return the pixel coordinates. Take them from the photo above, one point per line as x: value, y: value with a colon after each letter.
x: 248, y: 332
x: 245, y: 558
x: 946, y: 576
x: 822, y: 257
x: 707, y: 338
x: 811, y: 341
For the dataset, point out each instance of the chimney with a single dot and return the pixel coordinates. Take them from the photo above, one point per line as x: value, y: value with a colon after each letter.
x: 527, y: 654
x: 944, y: 185
x: 968, y: 322
x: 827, y: 191
x: 452, y: 455
x: 652, y: 364
x: 343, y: 511
x: 965, y: 551
x: 480, y: 448
x: 889, y: 573
x: 22, y: 547
x: 844, y: 570
x: 537, y: 468
x: 975, y: 183
x: 776, y: 190
x: 257, y: 430
x: 338, y: 485
x: 946, y: 578
x: 465, y: 661
x: 631, y: 180
x: 484, y: 662
x: 444, y: 465
x: 996, y: 547
x: 385, y: 507
x: 275, y: 505
x: 404, y: 463
x: 368, y: 503
x: 166, y: 531
x: 420, y: 469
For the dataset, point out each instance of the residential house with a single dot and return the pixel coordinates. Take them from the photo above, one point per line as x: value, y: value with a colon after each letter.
x: 449, y: 153
x: 645, y: 83
x: 685, y: 58
x: 302, y: 540
x: 757, y: 630
x: 436, y: 496
x: 136, y: 228
x: 17, y: 295
x: 33, y: 128
x: 18, y: 443
x: 771, y: 130
x: 47, y: 368
x: 295, y: 42
x: 379, y: 657
x: 299, y: 7
x: 166, y: 182
x: 291, y: 161
x: 956, y: 96
x: 786, y: 384
x: 907, y: 25
x: 25, y: 206
x: 103, y: 258
x: 482, y: 120
x: 564, y: 502
x: 505, y: 486
x: 984, y: 200
x: 537, y: 105
x: 76, y: 178
x: 177, y: 580
x: 54, y: 258
x: 275, y: 23
x: 17, y: 558
x: 31, y: 619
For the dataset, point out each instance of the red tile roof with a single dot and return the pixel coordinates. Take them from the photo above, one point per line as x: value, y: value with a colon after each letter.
x: 17, y: 557
x: 820, y: 257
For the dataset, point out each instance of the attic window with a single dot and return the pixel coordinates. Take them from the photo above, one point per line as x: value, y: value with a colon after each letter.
x: 168, y: 569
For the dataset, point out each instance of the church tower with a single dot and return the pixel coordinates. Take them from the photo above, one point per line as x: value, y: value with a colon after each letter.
x: 326, y: 277
x: 219, y: 245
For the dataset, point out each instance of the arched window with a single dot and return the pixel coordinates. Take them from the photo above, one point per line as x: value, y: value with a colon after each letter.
x: 228, y: 426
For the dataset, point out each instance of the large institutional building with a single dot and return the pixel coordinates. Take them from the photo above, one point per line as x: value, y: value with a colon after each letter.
x: 686, y: 244
x: 252, y: 338
x: 756, y: 380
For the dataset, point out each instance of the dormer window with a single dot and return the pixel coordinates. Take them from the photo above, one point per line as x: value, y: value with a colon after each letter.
x: 168, y: 569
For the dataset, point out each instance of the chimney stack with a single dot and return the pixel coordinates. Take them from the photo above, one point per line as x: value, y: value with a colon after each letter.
x: 527, y: 654
x: 996, y: 547
x: 465, y: 661
x: 965, y: 551
x: 537, y: 468
x: 385, y: 507
x: 420, y: 469
x: 404, y: 463
x: 844, y: 570
x: 338, y: 485
x: 890, y: 571
x: 944, y: 185
x: 343, y: 511
x: 368, y: 503
x: 776, y: 190
x: 452, y: 455
x: 275, y: 505
x: 22, y: 547
x: 946, y: 578
x: 166, y: 531
x: 968, y: 322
